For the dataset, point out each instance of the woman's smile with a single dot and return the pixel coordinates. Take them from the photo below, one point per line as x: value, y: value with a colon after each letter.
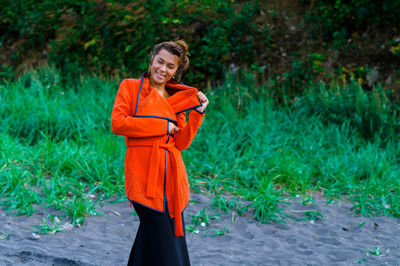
x: 160, y: 76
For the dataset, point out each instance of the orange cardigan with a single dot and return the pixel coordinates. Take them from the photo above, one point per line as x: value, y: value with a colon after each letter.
x: 154, y: 169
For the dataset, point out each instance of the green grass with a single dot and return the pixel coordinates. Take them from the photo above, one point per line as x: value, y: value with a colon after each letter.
x: 57, y: 150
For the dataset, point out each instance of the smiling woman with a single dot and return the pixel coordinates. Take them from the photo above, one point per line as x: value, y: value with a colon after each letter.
x: 151, y: 113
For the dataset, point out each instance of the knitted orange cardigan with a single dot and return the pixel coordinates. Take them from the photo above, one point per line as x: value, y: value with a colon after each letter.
x: 154, y: 169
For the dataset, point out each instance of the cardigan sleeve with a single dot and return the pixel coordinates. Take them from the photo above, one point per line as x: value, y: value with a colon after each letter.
x: 187, y: 131
x: 123, y: 123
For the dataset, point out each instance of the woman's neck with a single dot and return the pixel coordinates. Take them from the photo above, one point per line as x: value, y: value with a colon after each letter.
x: 160, y: 88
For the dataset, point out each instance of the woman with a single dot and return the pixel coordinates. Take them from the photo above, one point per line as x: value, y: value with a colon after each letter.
x: 151, y: 113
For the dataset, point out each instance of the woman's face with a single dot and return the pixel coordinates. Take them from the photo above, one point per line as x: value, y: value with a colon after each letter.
x: 163, y: 67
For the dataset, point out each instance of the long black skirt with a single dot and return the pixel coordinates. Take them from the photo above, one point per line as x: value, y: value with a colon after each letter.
x: 155, y: 242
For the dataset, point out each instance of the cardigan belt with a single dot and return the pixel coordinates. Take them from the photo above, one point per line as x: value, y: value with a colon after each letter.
x: 153, y: 174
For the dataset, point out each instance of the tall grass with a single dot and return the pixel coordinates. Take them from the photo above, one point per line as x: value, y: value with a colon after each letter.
x: 341, y: 141
x: 57, y: 150
x: 56, y: 146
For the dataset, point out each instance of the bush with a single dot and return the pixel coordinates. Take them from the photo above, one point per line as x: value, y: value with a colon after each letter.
x: 339, y: 19
x: 116, y: 37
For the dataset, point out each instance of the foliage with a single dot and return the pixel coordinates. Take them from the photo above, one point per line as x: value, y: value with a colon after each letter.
x: 302, y: 73
x: 339, y: 19
x: 116, y: 37
x: 294, y: 43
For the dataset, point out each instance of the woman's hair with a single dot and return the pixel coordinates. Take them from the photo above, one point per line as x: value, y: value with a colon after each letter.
x: 178, y: 48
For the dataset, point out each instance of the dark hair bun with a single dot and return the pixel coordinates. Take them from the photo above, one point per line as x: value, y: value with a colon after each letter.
x: 183, y: 45
x: 184, y: 58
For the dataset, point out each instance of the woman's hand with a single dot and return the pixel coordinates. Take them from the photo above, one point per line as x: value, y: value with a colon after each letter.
x: 172, y: 129
x: 203, y: 100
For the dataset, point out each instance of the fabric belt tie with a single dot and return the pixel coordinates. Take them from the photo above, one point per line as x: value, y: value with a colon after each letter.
x: 152, y: 175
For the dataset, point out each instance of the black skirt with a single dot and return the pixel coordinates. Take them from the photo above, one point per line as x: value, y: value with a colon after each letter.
x: 155, y: 242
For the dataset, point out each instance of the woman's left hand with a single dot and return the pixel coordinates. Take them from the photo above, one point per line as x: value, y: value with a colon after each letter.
x: 203, y: 100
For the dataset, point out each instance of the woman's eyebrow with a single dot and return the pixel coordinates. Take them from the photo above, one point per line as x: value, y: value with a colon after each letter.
x: 162, y: 60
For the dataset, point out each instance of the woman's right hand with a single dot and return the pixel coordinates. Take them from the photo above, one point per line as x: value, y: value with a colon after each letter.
x: 203, y: 100
x: 172, y: 129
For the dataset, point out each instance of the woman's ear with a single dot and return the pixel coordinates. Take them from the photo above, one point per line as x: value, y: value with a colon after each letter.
x: 174, y: 76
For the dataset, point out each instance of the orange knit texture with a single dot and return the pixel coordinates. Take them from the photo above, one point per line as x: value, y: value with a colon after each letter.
x: 153, y: 157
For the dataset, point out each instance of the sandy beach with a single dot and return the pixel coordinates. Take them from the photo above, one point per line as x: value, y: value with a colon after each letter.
x: 339, y: 238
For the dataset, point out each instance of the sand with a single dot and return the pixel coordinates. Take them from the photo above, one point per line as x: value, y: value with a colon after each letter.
x: 339, y: 238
